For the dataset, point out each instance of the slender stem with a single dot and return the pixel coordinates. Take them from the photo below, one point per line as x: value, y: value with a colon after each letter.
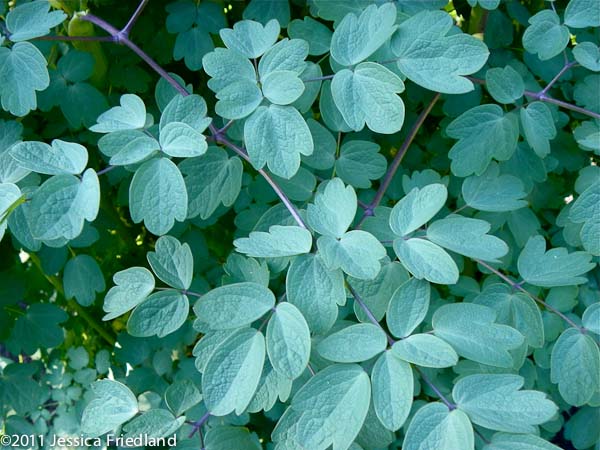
x: 545, y: 98
x: 566, y: 67
x: 106, y: 170
x: 100, y: 23
x: 198, y: 424
x: 183, y: 291
x: 282, y: 196
x: 451, y: 406
x: 76, y: 38
x: 398, y: 159
x: 127, y: 28
x: 324, y: 77
x: 518, y: 287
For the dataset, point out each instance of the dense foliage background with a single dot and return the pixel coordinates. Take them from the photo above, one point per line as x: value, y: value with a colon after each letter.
x: 300, y: 224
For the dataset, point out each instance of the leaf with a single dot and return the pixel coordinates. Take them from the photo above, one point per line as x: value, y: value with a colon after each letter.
x: 191, y: 45
x: 433, y: 58
x: 210, y: 181
x: 494, y: 192
x: 82, y: 279
x: 582, y: 14
x: 468, y: 237
x: 359, y: 163
x: 545, y: 35
x: 270, y: 9
x: 374, y: 24
x: 425, y: 350
x: 157, y: 196
x: 9, y: 195
x: 315, y: 33
x: 172, y: 262
x: 473, y: 333
x: 357, y: 253
x: 333, y: 209
x: 279, y: 241
x: 494, y: 401
x: 585, y: 210
x: 238, y: 99
x: 156, y: 423
x: 190, y: 110
x: 575, y: 367
x: 127, y: 146
x: 435, y: 428
x: 505, y: 85
x: 225, y: 437
x: 31, y: 20
x: 60, y: 158
x: 516, y: 310
x: 22, y: 73
x: 286, y: 55
x: 250, y: 38
x: 133, y: 285
x: 591, y: 318
x: 180, y: 140
x: 234, y: 305
x: 506, y: 441
x: 277, y: 136
x: 160, y: 314
x: 112, y: 405
x: 367, y: 94
x: 181, y: 396
x: 484, y: 133
x: 62, y: 203
x: 392, y: 383
x: 424, y: 259
x: 417, y: 208
x: 556, y: 267
x: 538, y: 126
x: 131, y: 115
x: 38, y: 328
x: 288, y: 341
x: 587, y: 135
x: 316, y: 291
x: 272, y: 387
x: 328, y: 410
x: 341, y: 345
x: 588, y: 55
x: 282, y: 87
x: 408, y: 307
x: 225, y: 67
x: 232, y: 373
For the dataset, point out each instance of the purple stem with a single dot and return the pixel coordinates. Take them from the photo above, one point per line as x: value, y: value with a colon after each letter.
x: 389, y: 176
x: 127, y: 28
x: 566, y: 67
x: 434, y: 388
x: 198, y: 424
x: 76, y: 38
x: 544, y: 98
x: 518, y: 287
x: 106, y: 170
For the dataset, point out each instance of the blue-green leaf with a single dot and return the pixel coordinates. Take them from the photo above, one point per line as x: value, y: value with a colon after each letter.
x: 279, y: 241
x: 494, y: 192
x: 157, y: 196
x: 172, y: 262
x: 22, y: 73
x: 495, y: 401
x: 427, y: 260
x: 538, y: 126
x: 156, y: 423
x: 425, y: 350
x: 359, y: 163
x: 484, y: 133
x: 82, y: 279
x: 392, y: 382
x: 556, y: 267
x: 238, y: 99
x: 374, y: 26
x: 367, y: 94
x: 181, y: 396
x: 472, y: 331
x: 9, y: 194
x: 588, y: 55
x: 31, y: 20
x: 507, y: 441
x: 545, y: 35
x: 127, y: 146
x: 591, y: 318
x: 234, y: 305
x: 434, y: 427
x: 112, y: 405
x: 131, y: 115
x: 277, y: 136
x: 233, y: 372
x: 582, y: 14
x: 434, y: 58
x: 315, y: 33
x: 250, y: 38
x: 288, y: 341
x: 180, y: 140
x: 408, y: 307
x: 341, y: 346
x: 417, y: 208
x: 504, y: 84
x: 575, y: 365
x: 133, y: 285
x: 282, y: 87
x: 160, y: 314
x: 333, y: 210
x: 60, y: 158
